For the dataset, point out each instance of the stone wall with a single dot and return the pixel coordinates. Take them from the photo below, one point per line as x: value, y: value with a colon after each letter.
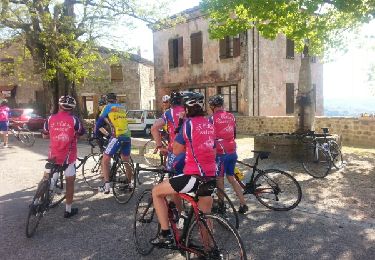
x: 353, y: 131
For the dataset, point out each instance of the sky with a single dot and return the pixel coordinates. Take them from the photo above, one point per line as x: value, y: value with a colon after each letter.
x: 345, y: 77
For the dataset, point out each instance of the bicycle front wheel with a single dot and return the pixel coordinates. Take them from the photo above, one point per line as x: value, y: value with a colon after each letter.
x: 27, y: 137
x: 151, y: 158
x: 91, y: 170
x: 224, y: 207
x: 37, y: 208
x: 146, y: 224
x: 212, y: 237
x: 124, y: 183
x: 316, y: 161
x: 277, y: 190
x: 337, y: 158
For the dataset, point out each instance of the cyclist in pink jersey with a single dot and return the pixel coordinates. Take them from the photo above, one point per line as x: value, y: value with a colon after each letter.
x: 63, y: 130
x: 172, y: 118
x: 197, y: 137
x: 4, y: 121
x: 226, y: 155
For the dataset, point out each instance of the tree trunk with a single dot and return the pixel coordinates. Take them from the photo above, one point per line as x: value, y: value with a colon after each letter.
x: 305, y: 101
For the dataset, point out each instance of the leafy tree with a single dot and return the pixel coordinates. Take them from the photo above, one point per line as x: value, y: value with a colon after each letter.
x: 62, y: 35
x: 314, y: 25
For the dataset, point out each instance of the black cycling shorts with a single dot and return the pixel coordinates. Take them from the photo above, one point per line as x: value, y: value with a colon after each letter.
x: 188, y: 183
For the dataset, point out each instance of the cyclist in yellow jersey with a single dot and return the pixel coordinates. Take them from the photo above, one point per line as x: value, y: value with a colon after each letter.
x: 115, y: 115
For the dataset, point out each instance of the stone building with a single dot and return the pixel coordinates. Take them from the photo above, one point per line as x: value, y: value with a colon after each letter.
x: 256, y: 76
x: 132, y: 78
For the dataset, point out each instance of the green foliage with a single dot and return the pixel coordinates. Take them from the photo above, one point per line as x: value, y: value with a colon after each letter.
x: 318, y: 23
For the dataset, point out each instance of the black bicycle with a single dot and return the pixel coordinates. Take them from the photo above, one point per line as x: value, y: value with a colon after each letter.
x: 49, y: 194
x: 203, y: 236
x: 23, y: 135
x: 273, y: 188
x: 122, y: 187
x: 320, y: 153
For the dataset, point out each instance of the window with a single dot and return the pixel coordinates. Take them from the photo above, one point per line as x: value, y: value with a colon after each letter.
x: 289, y: 49
x: 196, y: 48
x: 289, y: 98
x: 116, y: 73
x: 229, y: 47
x: 230, y: 97
x: 6, y: 67
x: 175, y: 48
x: 313, y: 59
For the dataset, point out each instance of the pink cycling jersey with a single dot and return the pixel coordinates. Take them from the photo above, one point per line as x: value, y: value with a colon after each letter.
x: 171, y: 118
x: 63, y: 129
x: 4, y: 113
x: 199, y: 137
x: 225, y: 125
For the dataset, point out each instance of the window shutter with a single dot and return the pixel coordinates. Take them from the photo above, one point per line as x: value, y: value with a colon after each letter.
x: 223, y: 48
x: 196, y: 48
x: 116, y: 72
x: 170, y: 51
x: 289, y: 98
x: 236, y: 47
x: 180, y: 49
x: 289, y: 49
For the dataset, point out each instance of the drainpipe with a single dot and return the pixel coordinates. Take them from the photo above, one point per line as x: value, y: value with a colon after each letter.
x: 253, y: 70
x: 258, y: 75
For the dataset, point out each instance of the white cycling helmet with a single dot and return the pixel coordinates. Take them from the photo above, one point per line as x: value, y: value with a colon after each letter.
x: 67, y: 102
x: 165, y: 98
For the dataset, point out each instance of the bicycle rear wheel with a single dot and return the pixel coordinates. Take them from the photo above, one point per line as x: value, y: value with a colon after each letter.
x: 224, y: 207
x: 146, y: 224
x: 337, y: 158
x: 214, y: 238
x: 316, y: 161
x: 37, y: 208
x: 277, y: 190
x: 123, y: 188
x: 27, y: 137
x: 151, y: 158
x: 91, y: 170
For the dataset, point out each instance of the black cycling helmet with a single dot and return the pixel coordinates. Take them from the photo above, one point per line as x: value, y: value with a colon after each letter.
x: 193, y: 98
x: 67, y: 102
x: 111, y: 97
x: 216, y: 101
x: 176, y: 98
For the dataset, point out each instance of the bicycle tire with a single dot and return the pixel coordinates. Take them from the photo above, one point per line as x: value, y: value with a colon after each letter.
x: 277, y: 184
x: 316, y: 161
x: 91, y: 171
x: 146, y: 224
x: 123, y: 190
x: 36, y: 209
x: 226, y: 243
x: 337, y: 157
x: 151, y: 158
x: 58, y: 194
x: 227, y: 209
x: 26, y: 137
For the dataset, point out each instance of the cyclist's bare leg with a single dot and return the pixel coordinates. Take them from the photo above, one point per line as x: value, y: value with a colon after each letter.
x: 69, y: 189
x: 159, y: 192
x: 237, y: 189
x: 106, y: 160
x: 5, y: 137
x: 178, y: 201
x: 220, y: 185
x: 129, y: 170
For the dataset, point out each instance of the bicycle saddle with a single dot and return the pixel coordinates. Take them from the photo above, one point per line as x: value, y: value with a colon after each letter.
x: 262, y: 154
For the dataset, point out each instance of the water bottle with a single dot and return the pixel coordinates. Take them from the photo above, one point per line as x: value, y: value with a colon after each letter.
x: 325, y: 146
x: 53, y: 181
x: 181, y: 221
x: 174, y: 211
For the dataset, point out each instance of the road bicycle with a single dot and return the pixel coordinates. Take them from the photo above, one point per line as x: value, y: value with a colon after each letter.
x: 122, y: 188
x: 273, y: 188
x: 151, y: 153
x: 203, y: 236
x: 23, y: 135
x: 222, y: 205
x: 320, y: 153
x: 48, y: 195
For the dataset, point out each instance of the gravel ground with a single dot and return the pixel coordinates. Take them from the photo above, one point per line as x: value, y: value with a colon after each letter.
x: 335, y: 219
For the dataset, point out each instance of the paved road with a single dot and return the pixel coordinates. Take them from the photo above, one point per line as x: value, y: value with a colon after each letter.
x: 103, y: 228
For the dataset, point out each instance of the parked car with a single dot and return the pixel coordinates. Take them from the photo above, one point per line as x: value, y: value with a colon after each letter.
x: 25, y: 117
x: 142, y: 120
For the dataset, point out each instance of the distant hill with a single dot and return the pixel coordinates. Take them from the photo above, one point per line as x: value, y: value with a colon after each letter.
x: 348, y: 106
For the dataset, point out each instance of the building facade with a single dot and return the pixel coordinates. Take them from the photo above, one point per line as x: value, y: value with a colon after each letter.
x: 256, y: 76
